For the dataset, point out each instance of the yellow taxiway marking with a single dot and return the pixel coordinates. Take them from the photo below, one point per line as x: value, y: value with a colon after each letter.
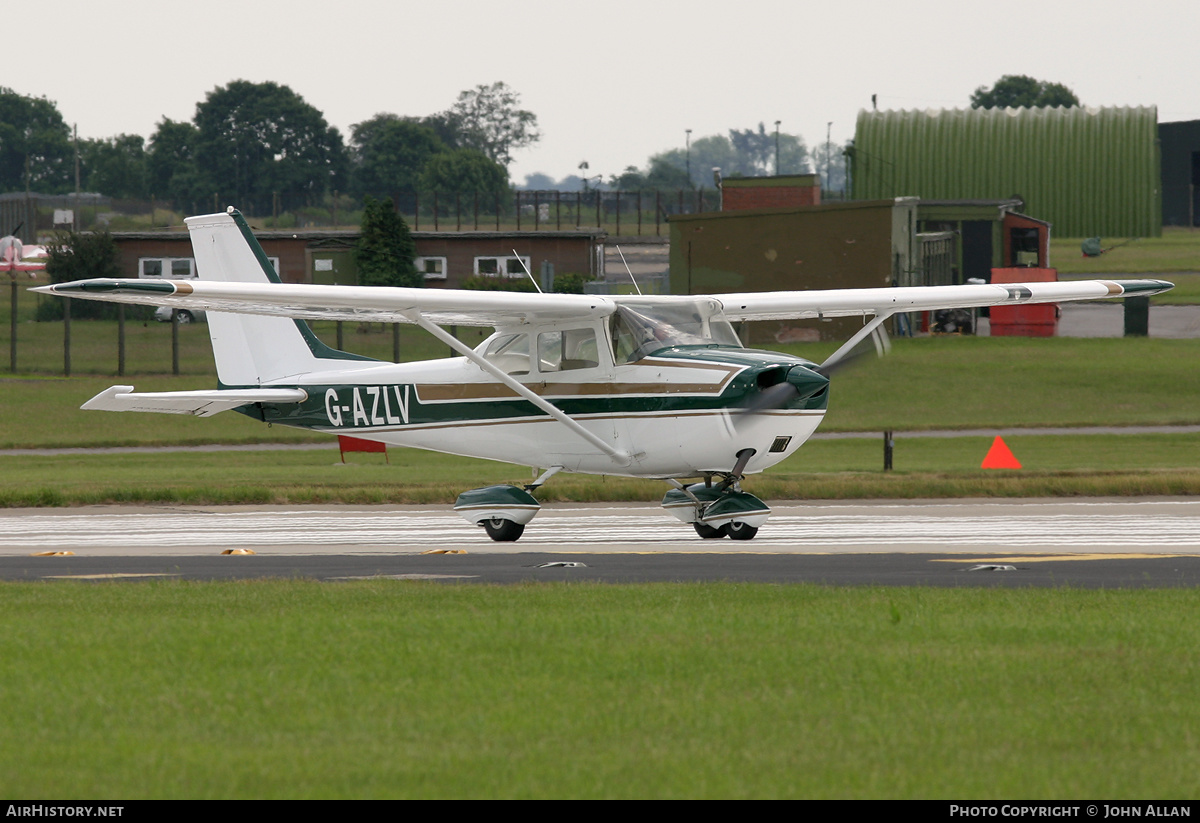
x: 108, y: 576
x: 407, y: 577
x: 1043, y: 558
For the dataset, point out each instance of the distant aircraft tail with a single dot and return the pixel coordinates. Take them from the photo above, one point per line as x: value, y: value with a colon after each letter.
x: 251, y: 350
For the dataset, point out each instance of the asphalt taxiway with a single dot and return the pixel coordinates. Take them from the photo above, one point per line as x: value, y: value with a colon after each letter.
x: 1086, y: 543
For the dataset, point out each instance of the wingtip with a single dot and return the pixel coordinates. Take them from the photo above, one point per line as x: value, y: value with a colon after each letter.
x: 107, y: 284
x: 1144, y: 288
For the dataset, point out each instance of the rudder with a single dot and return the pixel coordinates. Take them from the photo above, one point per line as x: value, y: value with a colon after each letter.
x: 251, y: 350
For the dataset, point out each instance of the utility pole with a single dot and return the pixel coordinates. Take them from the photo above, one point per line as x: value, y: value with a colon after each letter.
x: 828, y: 127
x: 688, y: 143
x: 777, y: 122
x: 75, y: 215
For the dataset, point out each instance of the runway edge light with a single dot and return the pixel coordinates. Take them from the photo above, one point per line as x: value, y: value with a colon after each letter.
x: 999, y: 456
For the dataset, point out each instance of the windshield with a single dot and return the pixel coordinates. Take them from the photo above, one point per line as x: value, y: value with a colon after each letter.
x: 638, y: 330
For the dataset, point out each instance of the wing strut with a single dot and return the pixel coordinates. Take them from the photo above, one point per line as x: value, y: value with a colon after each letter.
x: 622, y: 458
x: 848, y: 346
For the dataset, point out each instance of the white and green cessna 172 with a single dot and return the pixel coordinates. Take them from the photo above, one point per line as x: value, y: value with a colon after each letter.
x: 656, y: 387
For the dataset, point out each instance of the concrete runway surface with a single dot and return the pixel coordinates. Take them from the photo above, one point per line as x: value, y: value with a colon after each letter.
x: 1097, y: 542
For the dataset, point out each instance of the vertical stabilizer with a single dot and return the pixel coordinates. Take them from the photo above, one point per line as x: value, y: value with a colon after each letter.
x: 251, y: 350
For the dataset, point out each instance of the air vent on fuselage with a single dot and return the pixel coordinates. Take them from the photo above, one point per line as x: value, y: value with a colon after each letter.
x: 772, y: 376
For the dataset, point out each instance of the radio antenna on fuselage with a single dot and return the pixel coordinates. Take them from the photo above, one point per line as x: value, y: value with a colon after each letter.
x: 631, y: 277
x: 521, y: 260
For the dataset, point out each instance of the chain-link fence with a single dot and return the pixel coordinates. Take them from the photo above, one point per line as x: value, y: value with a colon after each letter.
x: 626, y: 213
x: 139, y: 340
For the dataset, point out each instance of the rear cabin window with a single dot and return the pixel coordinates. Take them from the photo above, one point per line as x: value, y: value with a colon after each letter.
x: 567, y: 350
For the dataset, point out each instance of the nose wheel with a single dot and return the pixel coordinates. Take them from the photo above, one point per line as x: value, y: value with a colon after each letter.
x: 733, y: 530
x: 710, y: 532
x: 501, y: 530
x: 721, y: 510
x: 741, y: 531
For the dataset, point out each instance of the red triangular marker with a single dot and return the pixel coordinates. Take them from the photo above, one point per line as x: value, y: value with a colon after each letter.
x: 999, y: 456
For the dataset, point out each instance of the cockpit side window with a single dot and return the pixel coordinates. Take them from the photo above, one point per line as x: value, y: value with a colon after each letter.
x: 509, y: 353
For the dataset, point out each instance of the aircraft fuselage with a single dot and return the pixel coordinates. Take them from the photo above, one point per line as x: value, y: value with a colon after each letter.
x: 676, y: 411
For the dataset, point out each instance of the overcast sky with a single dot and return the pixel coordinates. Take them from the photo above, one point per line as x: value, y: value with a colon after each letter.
x: 611, y: 82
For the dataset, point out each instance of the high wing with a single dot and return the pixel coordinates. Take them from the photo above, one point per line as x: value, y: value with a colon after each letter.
x: 378, y: 304
x: 796, y: 305
x: 481, y: 308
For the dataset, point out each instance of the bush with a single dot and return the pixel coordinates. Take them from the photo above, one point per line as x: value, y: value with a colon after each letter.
x: 570, y: 283
x: 80, y: 256
x: 385, y: 251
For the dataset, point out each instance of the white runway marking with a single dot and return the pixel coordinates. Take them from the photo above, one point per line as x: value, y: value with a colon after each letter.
x: 1156, y: 526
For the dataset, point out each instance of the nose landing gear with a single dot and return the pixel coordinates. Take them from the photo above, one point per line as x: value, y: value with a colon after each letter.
x: 721, y: 510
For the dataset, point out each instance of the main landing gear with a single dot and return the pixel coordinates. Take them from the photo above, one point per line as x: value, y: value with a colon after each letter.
x: 720, y: 510
x: 502, y: 511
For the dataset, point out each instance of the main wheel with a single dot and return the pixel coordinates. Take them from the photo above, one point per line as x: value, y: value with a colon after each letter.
x: 183, y: 317
x: 709, y: 532
x: 740, y: 531
x: 503, y: 531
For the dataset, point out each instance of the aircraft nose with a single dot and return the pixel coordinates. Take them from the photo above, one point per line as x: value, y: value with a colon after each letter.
x: 780, y: 390
x: 806, y: 382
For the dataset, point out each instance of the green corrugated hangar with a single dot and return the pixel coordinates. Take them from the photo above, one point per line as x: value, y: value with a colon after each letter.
x: 1088, y: 171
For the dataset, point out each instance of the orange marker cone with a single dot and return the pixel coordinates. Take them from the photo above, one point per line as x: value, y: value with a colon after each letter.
x: 999, y: 456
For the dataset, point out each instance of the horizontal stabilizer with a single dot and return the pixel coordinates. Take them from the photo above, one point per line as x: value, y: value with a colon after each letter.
x: 198, y: 403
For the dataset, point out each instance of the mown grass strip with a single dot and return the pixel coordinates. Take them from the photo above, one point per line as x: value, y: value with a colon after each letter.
x: 389, y: 689
x: 1177, y: 250
x: 1055, y: 465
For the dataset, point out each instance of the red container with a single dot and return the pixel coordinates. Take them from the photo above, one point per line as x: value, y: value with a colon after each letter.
x: 1037, y: 320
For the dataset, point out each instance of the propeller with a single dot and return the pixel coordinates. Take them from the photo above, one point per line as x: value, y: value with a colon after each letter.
x: 847, y: 354
x: 772, y: 397
x: 797, y: 383
x: 799, y: 380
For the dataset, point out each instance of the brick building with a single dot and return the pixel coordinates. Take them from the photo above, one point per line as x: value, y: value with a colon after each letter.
x: 782, y: 192
x: 445, y: 258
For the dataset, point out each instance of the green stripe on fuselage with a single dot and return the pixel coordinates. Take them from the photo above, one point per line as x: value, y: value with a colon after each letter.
x: 361, y: 407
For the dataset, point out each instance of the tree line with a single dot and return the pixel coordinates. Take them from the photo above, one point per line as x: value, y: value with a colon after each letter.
x: 255, y: 142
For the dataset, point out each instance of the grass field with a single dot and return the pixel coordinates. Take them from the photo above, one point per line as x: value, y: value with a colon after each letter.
x: 927, y: 383
x: 298, y: 689
x: 946, y: 382
x: 848, y: 469
x: 1178, y: 250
